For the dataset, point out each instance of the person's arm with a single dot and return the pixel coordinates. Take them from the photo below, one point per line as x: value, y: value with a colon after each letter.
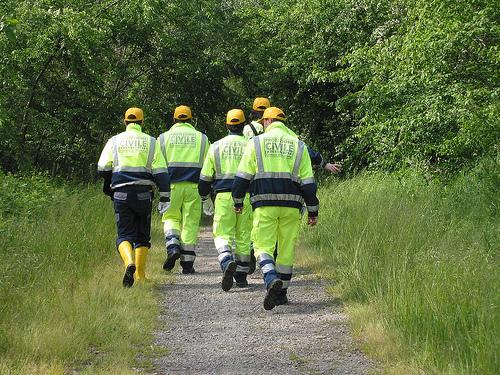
x: 207, y: 147
x: 207, y: 174
x: 160, y: 173
x: 318, y: 161
x: 246, y: 171
x: 309, y: 188
x: 105, y: 168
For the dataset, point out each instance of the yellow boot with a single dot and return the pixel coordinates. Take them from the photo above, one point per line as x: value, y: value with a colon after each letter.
x: 127, y: 254
x: 141, y: 256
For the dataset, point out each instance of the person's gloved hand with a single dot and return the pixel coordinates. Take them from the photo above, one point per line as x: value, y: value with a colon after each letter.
x: 208, y: 207
x: 163, y: 207
x: 106, y: 186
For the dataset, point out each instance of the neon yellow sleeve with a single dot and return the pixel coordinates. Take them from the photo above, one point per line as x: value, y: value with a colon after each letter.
x: 248, y: 164
x: 105, y: 162
x: 159, y: 163
x: 208, y: 148
x: 208, y: 170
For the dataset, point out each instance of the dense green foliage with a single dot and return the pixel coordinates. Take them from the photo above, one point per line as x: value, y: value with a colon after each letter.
x: 381, y: 84
x: 426, y: 258
x: 73, y: 69
x: 62, y: 306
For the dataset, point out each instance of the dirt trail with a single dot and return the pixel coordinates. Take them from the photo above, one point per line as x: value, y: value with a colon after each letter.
x: 208, y: 331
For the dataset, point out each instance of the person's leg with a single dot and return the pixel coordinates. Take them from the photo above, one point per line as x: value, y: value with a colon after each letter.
x: 126, y: 230
x: 288, y: 229
x: 253, y: 261
x: 191, y: 215
x: 242, y: 241
x: 172, y: 227
x: 223, y: 231
x: 141, y: 258
x: 264, y: 236
x: 143, y: 239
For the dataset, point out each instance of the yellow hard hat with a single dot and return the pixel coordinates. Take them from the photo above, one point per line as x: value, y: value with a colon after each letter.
x: 182, y: 112
x: 274, y: 113
x: 235, y: 117
x: 260, y: 104
x: 134, y: 114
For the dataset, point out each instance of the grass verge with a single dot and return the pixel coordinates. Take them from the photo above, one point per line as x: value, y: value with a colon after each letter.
x: 418, y: 266
x: 62, y: 306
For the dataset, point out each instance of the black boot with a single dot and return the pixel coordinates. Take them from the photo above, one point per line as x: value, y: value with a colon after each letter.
x: 227, y: 277
x: 187, y: 267
x: 171, y: 259
x: 273, y: 289
x: 241, y: 279
x: 281, y: 298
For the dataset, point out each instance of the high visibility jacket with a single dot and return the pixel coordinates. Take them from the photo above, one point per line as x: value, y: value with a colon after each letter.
x: 221, y: 164
x: 317, y: 159
x: 250, y: 130
x: 184, y: 149
x: 279, y: 168
x: 133, y: 158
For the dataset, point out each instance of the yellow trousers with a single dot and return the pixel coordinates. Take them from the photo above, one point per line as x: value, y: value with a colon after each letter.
x: 232, y: 231
x: 182, y: 219
x: 270, y: 225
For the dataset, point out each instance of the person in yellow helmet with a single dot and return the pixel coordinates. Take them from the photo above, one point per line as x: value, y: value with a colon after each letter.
x: 254, y: 128
x: 279, y: 167
x: 131, y: 163
x: 260, y: 104
x: 219, y: 169
x: 184, y: 149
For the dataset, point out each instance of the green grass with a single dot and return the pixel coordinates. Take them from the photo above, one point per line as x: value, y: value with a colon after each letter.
x: 62, y: 306
x: 423, y: 260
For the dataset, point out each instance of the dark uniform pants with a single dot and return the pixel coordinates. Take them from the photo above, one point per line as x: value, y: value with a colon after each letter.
x: 133, y: 217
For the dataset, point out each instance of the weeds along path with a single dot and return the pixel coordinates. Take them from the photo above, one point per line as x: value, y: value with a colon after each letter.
x: 208, y: 331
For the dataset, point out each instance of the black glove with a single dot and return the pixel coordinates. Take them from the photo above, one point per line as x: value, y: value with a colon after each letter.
x: 106, y: 188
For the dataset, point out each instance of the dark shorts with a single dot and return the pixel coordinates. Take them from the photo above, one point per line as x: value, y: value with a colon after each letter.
x: 133, y: 217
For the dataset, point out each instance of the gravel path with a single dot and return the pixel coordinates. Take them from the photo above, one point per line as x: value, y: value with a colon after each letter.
x: 208, y: 331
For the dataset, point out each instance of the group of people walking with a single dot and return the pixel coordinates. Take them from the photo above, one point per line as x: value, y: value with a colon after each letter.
x: 260, y: 175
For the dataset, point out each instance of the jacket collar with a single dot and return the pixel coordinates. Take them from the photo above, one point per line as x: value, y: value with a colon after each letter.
x: 277, y: 125
x: 181, y: 124
x: 134, y: 127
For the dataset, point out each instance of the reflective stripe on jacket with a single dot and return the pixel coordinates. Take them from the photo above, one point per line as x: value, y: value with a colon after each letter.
x: 184, y: 149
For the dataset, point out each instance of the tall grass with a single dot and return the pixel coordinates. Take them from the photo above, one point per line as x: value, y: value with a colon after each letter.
x: 62, y: 306
x: 424, y: 257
